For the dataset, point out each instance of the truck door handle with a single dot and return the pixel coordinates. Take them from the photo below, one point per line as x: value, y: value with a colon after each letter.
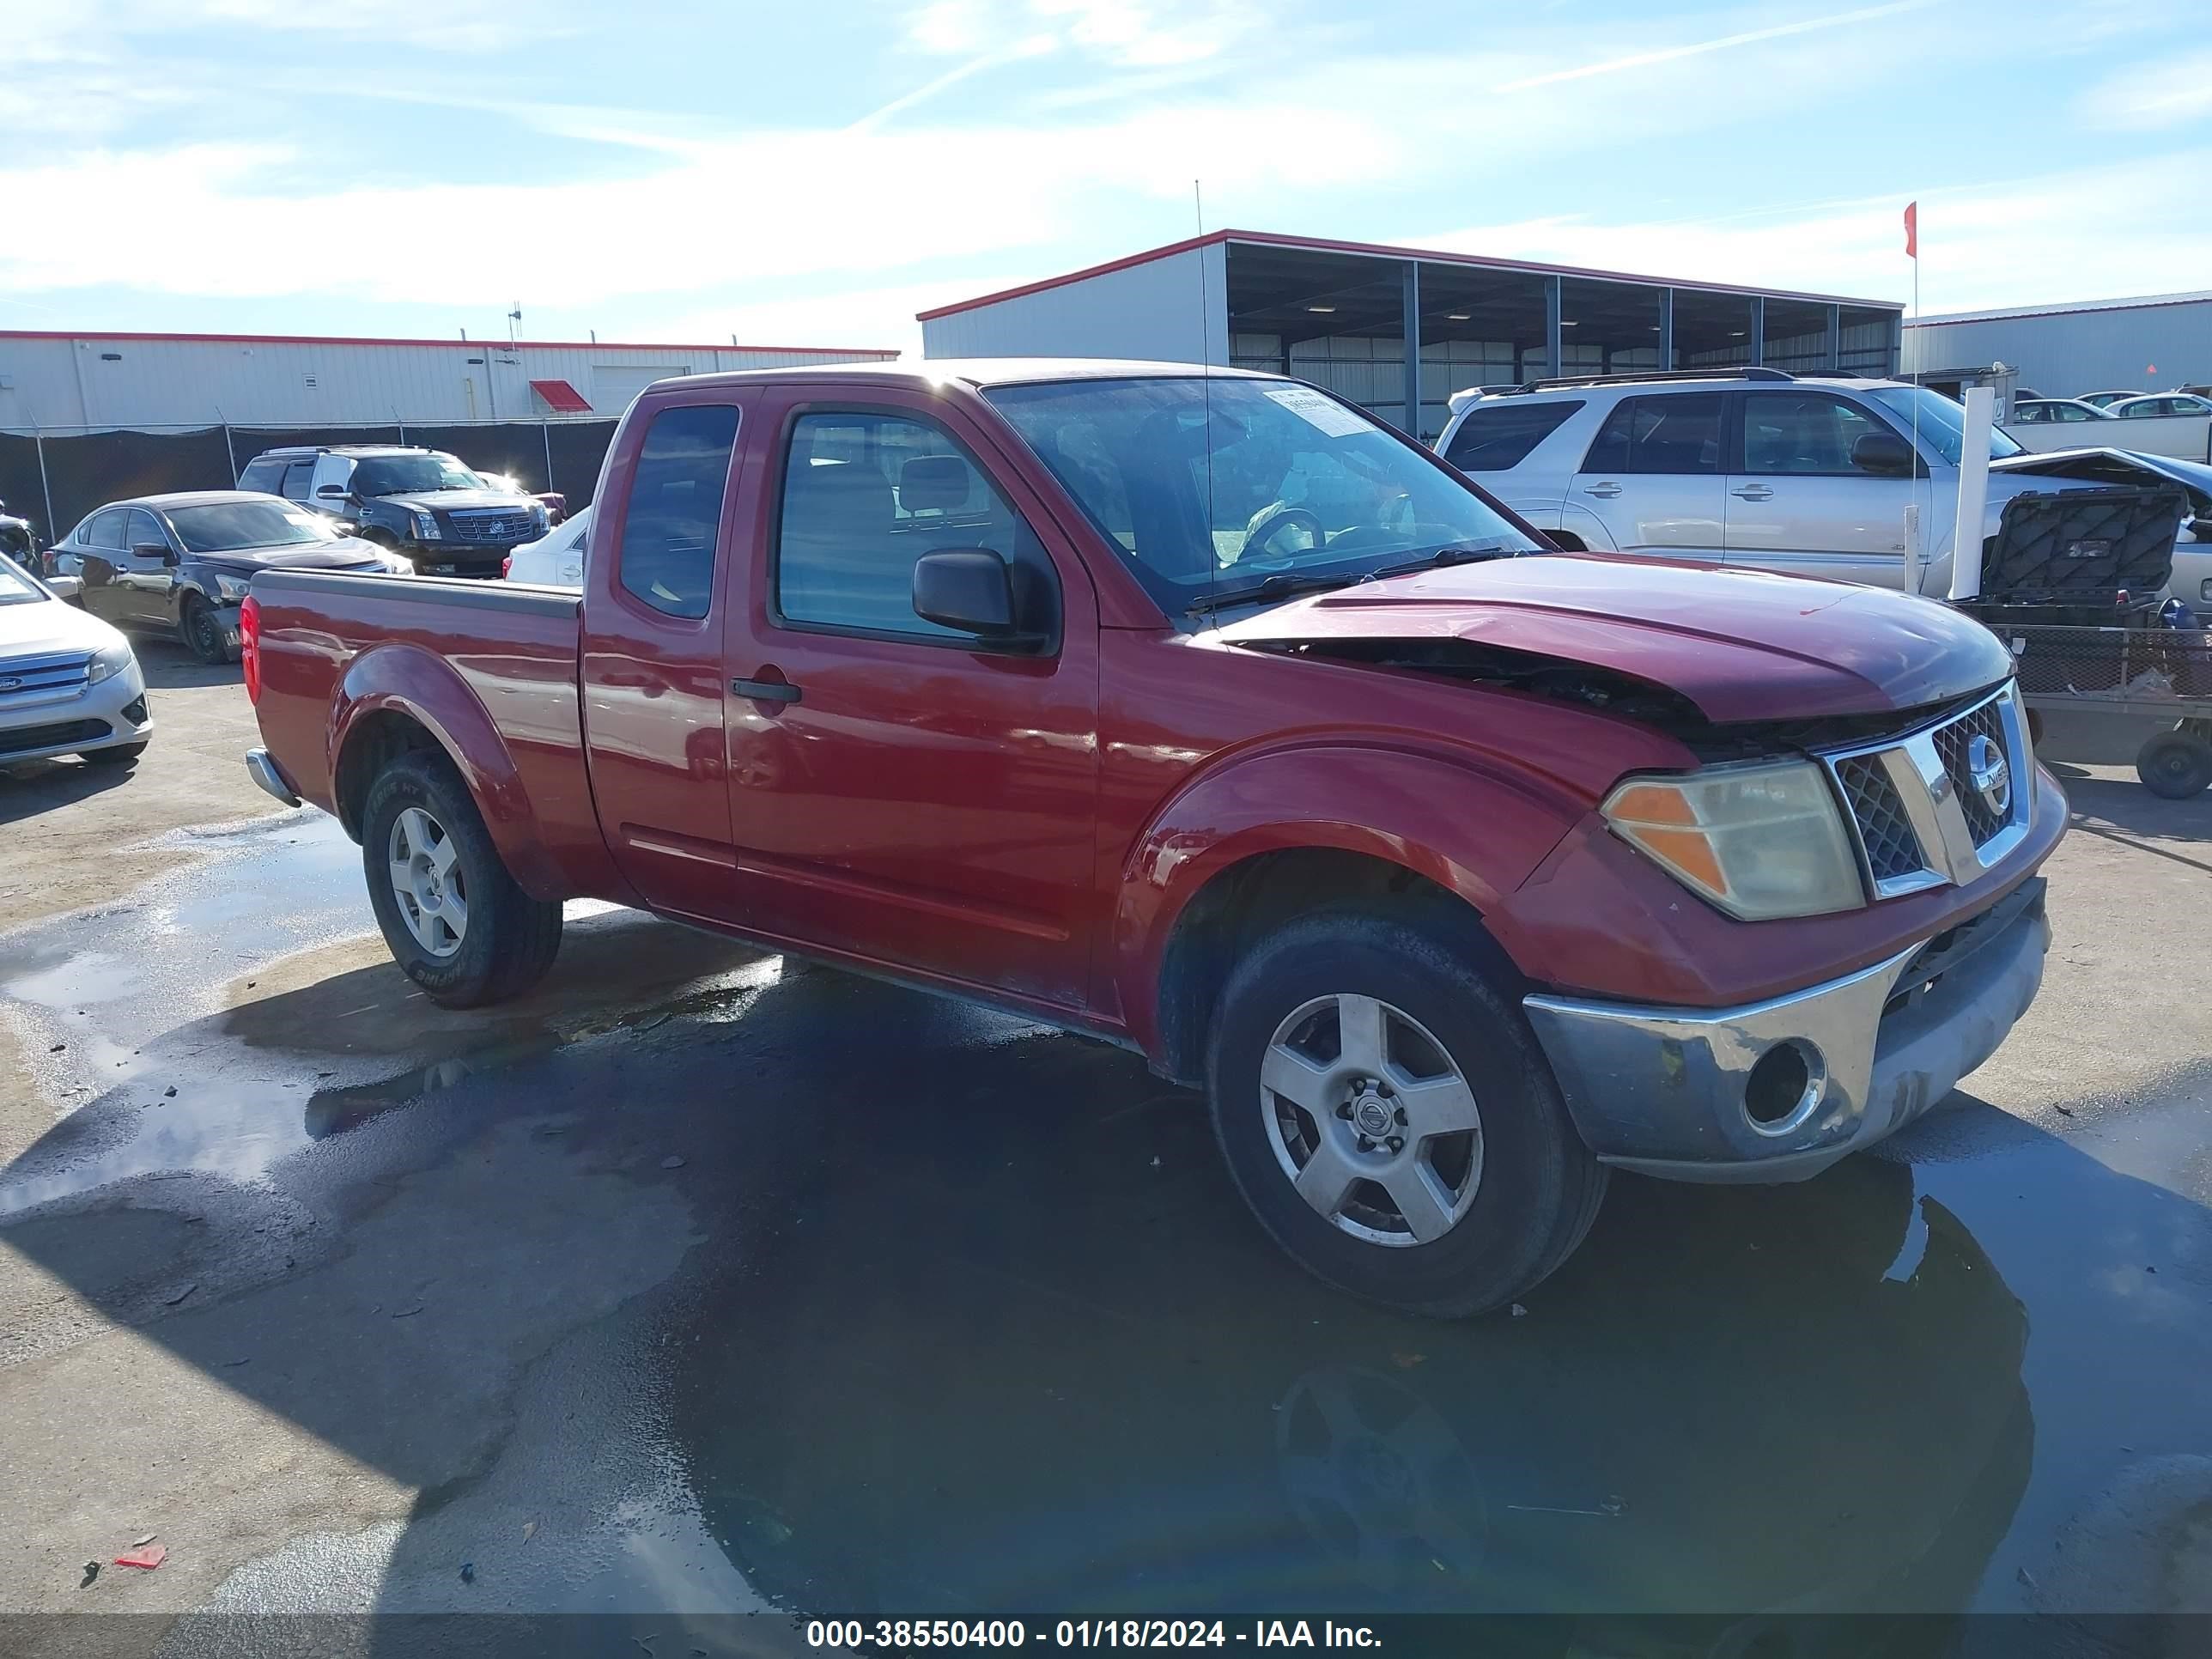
x: 1754, y: 493
x: 1607, y: 490
x: 766, y: 690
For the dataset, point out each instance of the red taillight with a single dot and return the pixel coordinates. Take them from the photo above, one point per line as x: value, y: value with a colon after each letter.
x: 507, y: 567
x: 249, y: 647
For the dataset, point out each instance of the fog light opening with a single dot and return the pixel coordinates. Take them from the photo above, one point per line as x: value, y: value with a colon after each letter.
x: 1783, y: 1087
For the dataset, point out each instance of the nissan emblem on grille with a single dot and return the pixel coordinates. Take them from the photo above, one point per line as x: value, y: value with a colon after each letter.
x: 1992, y: 777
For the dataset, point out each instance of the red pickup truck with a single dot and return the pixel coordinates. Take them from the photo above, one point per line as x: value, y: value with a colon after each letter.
x: 1201, y: 713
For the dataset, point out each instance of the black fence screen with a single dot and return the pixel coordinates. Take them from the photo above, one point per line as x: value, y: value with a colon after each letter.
x: 83, y: 470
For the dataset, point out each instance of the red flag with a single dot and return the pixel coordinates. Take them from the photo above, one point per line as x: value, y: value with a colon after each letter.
x: 1912, y: 230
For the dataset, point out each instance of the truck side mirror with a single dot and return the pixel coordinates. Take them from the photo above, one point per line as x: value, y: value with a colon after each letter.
x: 1882, y: 453
x: 972, y: 589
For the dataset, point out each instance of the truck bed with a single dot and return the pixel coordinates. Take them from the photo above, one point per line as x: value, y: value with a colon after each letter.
x: 336, y: 649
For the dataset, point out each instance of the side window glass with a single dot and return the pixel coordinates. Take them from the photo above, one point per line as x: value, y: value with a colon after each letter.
x: 295, y: 479
x: 1496, y: 436
x: 145, y: 530
x: 1808, y: 432
x: 106, y: 531
x: 265, y: 475
x: 864, y: 495
x: 674, y: 515
x: 2027, y: 414
x: 1680, y: 433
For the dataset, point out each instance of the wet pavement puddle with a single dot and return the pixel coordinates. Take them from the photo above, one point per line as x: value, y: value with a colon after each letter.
x: 935, y: 1314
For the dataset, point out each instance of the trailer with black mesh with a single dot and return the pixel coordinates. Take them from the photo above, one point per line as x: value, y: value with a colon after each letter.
x: 2074, y: 583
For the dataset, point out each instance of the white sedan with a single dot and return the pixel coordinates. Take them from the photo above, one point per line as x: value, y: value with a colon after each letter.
x: 69, y: 682
x: 555, y: 559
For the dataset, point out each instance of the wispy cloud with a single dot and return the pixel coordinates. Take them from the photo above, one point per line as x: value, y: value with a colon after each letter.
x: 1724, y: 43
x: 1036, y: 45
x: 2172, y: 93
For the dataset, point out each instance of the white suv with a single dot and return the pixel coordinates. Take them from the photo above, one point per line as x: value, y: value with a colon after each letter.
x: 1802, y: 473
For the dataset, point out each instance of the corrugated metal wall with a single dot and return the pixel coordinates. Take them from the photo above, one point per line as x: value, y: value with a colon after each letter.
x: 91, y: 382
x: 1169, y: 310
x: 2065, y: 354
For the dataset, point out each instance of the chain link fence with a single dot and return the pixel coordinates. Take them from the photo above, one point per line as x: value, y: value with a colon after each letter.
x: 54, y: 476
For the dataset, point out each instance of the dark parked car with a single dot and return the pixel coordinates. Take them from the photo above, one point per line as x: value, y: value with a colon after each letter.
x: 181, y: 563
x: 445, y: 517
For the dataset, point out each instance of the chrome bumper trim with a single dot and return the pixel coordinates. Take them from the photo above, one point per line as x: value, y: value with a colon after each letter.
x: 263, y: 771
x: 1661, y: 1090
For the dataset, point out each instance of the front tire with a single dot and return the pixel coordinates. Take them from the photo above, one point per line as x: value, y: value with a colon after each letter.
x: 204, y: 633
x: 455, y: 921
x: 1386, y: 1112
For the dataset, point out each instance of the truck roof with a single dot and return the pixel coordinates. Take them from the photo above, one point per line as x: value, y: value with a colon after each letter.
x: 975, y: 371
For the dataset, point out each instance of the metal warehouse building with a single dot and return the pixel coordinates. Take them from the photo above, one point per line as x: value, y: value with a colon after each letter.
x: 2150, y: 344
x: 146, y: 382
x: 1388, y: 327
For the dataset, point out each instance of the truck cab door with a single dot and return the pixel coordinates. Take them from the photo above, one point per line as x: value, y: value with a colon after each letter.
x: 651, y: 650
x: 903, y: 793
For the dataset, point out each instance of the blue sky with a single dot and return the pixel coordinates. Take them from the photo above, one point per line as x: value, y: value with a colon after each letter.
x: 815, y: 174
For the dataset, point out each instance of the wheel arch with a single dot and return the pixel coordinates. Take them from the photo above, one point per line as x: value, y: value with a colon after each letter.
x: 398, y: 698
x: 1240, y: 851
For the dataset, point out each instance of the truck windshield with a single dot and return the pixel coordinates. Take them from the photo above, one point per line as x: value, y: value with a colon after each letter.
x: 1212, y: 486
x: 412, y: 475
x: 223, y: 526
x: 1942, y: 422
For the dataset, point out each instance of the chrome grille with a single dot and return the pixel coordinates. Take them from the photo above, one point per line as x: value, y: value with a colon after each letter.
x: 1916, y: 813
x: 1951, y: 742
x: 1891, y: 849
x: 492, y: 526
x: 29, y: 678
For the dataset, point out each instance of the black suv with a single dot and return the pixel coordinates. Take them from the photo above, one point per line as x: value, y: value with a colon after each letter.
x: 422, y: 503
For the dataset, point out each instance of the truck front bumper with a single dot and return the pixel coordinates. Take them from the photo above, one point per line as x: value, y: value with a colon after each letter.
x: 1780, y: 1090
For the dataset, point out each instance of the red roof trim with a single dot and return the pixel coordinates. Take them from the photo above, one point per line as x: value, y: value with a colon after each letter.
x: 1379, y: 250
x: 561, y: 398
x: 870, y: 353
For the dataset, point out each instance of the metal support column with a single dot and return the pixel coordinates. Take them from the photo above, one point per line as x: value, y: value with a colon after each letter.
x: 1413, y: 317
x: 1758, y: 330
x: 45, y: 488
x: 1554, y: 346
x: 1667, y: 330
x: 1835, y: 336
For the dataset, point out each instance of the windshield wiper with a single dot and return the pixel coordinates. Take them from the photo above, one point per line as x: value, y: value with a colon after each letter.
x: 1458, y: 553
x: 1279, y: 585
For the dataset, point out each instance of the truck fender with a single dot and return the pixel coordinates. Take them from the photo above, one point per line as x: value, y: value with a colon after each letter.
x: 1472, y: 830
x: 407, y: 680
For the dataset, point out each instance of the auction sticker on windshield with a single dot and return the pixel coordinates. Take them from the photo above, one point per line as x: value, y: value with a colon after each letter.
x: 1316, y: 410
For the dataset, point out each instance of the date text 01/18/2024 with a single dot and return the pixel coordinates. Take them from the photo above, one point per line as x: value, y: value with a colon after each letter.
x: 908, y: 1634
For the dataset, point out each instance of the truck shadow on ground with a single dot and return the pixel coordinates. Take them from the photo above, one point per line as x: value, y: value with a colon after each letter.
x: 874, y: 1304
x: 2127, y: 812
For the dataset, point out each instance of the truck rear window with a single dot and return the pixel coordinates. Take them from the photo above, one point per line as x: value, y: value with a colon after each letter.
x: 674, y: 515
x: 1496, y: 436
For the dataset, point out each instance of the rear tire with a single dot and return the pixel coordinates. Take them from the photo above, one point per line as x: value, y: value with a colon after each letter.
x: 1502, y: 1205
x: 2176, y: 764
x: 456, y: 922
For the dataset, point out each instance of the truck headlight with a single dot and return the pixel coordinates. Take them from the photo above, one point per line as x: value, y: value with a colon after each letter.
x: 426, y: 527
x: 109, y: 661
x: 231, y: 589
x: 1760, y: 841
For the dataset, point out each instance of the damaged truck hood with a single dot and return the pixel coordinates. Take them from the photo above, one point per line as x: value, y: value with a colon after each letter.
x: 1740, y: 645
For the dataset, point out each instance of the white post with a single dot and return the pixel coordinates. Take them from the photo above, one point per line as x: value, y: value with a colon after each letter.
x: 1973, y: 493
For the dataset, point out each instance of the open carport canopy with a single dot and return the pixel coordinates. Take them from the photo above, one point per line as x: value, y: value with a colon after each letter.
x: 1319, y: 310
